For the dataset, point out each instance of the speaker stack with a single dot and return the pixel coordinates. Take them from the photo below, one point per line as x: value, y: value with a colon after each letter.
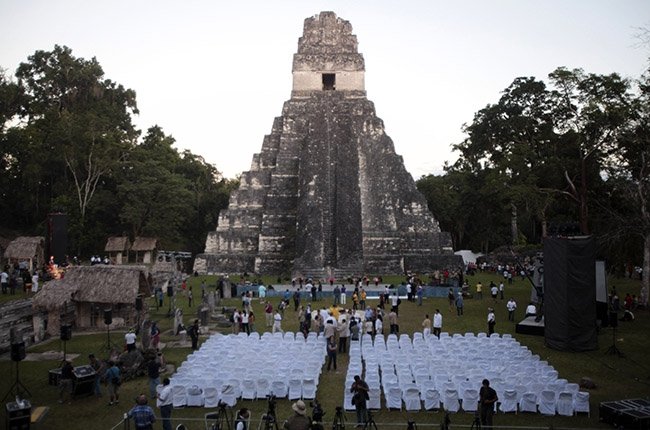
x: 18, y: 351
x: 66, y: 332
x: 138, y: 303
x: 108, y: 316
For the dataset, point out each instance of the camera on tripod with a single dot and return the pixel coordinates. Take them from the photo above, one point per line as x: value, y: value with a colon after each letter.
x: 317, y: 412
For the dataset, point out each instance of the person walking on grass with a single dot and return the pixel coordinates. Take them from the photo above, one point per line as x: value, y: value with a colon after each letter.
x: 164, y: 403
x: 437, y: 323
x: 459, y: 304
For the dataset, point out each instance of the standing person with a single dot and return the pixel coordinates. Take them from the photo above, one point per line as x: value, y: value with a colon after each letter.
x: 494, y: 290
x: 164, y: 403
x: 479, y: 290
x: 35, y: 282
x: 501, y: 289
x: 491, y: 320
x: 394, y: 302
x: 296, y: 301
x: 113, y: 380
x: 437, y: 323
x: 362, y: 300
x: 426, y: 326
x: 65, y: 381
x: 159, y: 296
x: 419, y: 293
x: 251, y: 321
x: 203, y: 288
x: 300, y: 420
x: 336, y: 294
x: 129, y: 338
x: 245, y: 322
x: 459, y: 304
x: 379, y: 325
x: 487, y: 399
x: 4, y: 280
x: 343, y: 295
x: 359, y: 398
x: 194, y: 332
x: 511, y: 306
x: 277, y: 322
x: 268, y: 313
x: 190, y: 297
x: 331, y: 352
x: 98, y: 367
x: 155, y: 335
x: 153, y: 372
x: 392, y: 320
x: 451, y: 299
x: 409, y: 292
x: 142, y: 414
x: 344, y: 333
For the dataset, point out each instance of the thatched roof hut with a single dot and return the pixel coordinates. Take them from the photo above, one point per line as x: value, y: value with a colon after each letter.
x: 117, y: 248
x: 144, y: 248
x: 28, y: 249
x: 93, y: 288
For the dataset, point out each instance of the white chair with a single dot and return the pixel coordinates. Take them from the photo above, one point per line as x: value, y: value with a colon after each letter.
x: 279, y: 389
x: 450, y: 401
x: 470, y: 400
x: 431, y: 399
x: 194, y: 396
x: 546, y: 402
x: 374, y: 401
x: 179, y: 396
x: 295, y: 389
x: 528, y: 402
x: 211, y: 397
x: 262, y: 388
x: 393, y: 397
x: 411, y: 397
x: 564, y: 404
x: 509, y: 401
x: 248, y: 389
x: 309, y: 388
x: 581, y: 402
x: 229, y: 394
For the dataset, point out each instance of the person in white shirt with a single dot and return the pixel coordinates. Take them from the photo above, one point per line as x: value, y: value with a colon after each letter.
x: 164, y: 403
x: 493, y: 292
x: 130, y: 341
x: 491, y: 320
x: 437, y: 323
x: 511, y: 306
x: 277, y: 322
x: 501, y: 289
x: 35, y: 282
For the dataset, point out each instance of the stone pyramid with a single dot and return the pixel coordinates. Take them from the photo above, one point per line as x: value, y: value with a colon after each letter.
x: 327, y: 195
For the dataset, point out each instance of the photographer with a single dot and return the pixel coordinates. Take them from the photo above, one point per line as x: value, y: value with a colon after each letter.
x: 360, y: 390
x: 241, y: 422
x: 317, y: 415
x: 299, y: 420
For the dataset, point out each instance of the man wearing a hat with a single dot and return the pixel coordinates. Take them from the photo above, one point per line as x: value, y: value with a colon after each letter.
x: 299, y: 420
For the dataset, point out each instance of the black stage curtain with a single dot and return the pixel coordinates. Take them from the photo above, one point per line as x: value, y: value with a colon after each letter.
x: 570, y: 293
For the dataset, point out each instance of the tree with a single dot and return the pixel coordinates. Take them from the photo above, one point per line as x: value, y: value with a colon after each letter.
x: 79, y: 118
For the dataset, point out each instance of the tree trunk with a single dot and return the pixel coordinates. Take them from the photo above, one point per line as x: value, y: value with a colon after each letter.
x: 513, y: 223
x: 645, y: 281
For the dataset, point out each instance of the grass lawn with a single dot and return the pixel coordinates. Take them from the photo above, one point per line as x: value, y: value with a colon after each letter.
x: 617, y: 378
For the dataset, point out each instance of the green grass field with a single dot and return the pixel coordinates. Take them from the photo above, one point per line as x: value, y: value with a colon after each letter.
x: 616, y: 378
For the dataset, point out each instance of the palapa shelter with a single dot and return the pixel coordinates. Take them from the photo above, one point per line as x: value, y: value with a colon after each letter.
x: 29, y: 251
x: 117, y: 248
x: 90, y: 290
x: 144, y: 249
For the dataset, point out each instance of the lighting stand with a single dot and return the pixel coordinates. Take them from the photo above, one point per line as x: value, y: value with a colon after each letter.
x: 17, y: 386
x: 613, y: 350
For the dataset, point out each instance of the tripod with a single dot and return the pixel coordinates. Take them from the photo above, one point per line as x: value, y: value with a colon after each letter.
x: 17, y: 386
x: 476, y: 424
x: 613, y: 350
x: 269, y: 421
x: 339, y: 419
x: 222, y: 418
x: 370, y: 422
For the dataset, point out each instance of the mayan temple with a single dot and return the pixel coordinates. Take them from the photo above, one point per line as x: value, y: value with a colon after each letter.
x: 327, y: 195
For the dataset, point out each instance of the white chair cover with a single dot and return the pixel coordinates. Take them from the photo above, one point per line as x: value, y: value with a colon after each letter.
x: 374, y: 401
x: 528, y: 402
x: 470, y: 400
x: 228, y: 395
x: 179, y: 396
x: 194, y: 396
x: 295, y: 388
x: 450, y: 401
x: 546, y: 402
x: 393, y: 397
x: 431, y: 399
x: 279, y: 389
x: 309, y: 388
x: 211, y: 397
x: 411, y: 397
x: 564, y: 404
x: 581, y: 402
x: 509, y: 401
x: 248, y: 389
x: 262, y: 388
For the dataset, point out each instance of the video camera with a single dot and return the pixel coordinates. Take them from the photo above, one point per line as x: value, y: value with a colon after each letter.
x: 317, y: 411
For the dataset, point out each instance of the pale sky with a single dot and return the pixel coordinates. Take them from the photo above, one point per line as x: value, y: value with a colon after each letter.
x: 214, y: 74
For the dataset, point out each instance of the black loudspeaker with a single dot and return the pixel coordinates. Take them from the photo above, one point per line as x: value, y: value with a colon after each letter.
x: 138, y: 303
x: 57, y: 236
x: 170, y: 291
x: 108, y: 316
x: 570, y: 293
x: 18, y: 351
x: 66, y: 332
